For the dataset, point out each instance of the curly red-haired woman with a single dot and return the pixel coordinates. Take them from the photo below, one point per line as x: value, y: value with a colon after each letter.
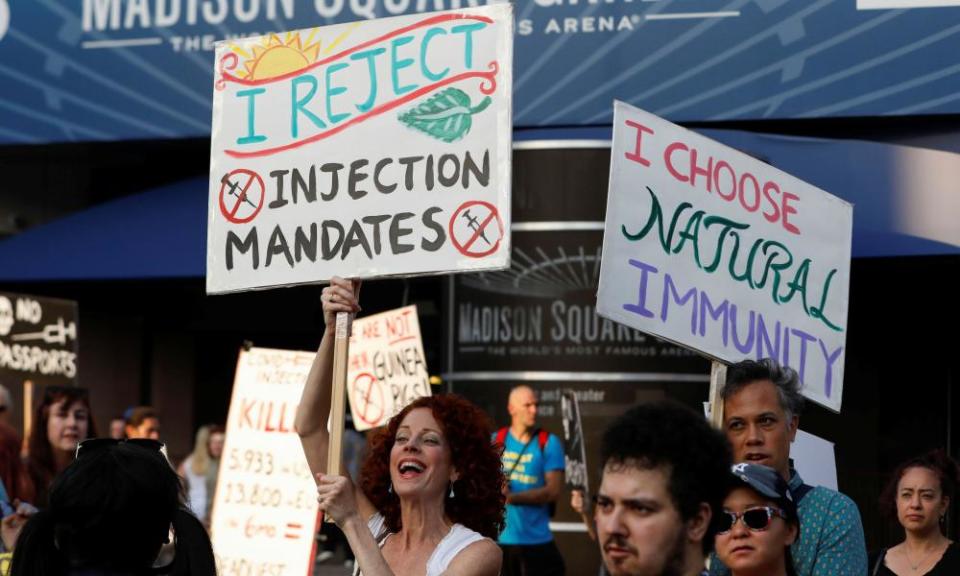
x: 430, y: 498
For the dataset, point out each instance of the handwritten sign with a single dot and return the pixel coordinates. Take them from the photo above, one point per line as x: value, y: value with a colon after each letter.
x: 892, y: 4
x: 265, y: 508
x: 386, y: 370
x: 368, y: 149
x: 38, y: 339
x: 724, y: 254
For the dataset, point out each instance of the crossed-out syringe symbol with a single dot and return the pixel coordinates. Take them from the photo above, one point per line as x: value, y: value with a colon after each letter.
x: 475, y: 225
x: 233, y: 191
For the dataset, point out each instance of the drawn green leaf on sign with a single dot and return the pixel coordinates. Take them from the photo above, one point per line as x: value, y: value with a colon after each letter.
x: 447, y: 115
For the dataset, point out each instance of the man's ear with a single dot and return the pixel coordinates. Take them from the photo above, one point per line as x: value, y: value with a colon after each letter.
x: 792, y: 426
x: 698, y: 525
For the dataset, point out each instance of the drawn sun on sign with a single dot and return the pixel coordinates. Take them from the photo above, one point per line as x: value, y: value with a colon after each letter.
x: 272, y: 56
x: 276, y: 55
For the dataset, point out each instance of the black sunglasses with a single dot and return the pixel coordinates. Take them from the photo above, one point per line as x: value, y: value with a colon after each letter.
x: 756, y: 519
x: 94, y: 444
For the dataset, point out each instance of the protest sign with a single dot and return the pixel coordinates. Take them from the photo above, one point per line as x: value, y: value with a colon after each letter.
x: 265, y: 507
x: 386, y: 366
x: 725, y: 254
x: 38, y: 348
x: 38, y: 339
x: 362, y: 150
x: 817, y: 458
x: 574, y: 450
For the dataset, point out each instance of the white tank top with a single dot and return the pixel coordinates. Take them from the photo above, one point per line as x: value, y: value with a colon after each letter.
x: 458, y: 538
x: 196, y: 490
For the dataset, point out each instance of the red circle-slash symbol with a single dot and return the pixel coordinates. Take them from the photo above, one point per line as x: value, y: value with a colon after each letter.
x: 471, y: 229
x: 241, y: 195
x: 368, y: 400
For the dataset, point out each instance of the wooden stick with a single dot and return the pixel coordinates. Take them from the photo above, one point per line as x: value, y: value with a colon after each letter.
x: 341, y: 347
x: 27, y: 412
x: 718, y: 377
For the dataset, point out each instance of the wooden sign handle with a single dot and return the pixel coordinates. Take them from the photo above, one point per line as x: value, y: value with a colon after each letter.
x: 718, y: 377
x: 341, y: 347
x: 27, y: 414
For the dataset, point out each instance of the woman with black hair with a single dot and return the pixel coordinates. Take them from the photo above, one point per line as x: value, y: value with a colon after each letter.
x: 758, y: 524
x: 919, y: 495
x: 109, y: 513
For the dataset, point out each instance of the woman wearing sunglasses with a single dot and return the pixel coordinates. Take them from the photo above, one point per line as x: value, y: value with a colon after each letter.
x: 758, y: 523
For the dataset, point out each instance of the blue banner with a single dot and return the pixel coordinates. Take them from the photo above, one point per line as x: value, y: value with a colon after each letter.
x: 79, y: 70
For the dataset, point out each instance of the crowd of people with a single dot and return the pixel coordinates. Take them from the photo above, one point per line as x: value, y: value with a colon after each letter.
x: 677, y: 497
x: 441, y: 490
x: 76, y: 504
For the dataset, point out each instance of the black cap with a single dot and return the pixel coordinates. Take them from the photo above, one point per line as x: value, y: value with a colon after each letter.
x: 766, y: 482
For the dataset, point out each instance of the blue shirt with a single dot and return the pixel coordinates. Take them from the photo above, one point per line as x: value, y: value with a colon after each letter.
x: 831, y: 539
x: 529, y: 523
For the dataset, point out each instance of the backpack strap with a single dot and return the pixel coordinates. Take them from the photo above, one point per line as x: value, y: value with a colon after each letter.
x: 542, y: 439
x: 501, y: 439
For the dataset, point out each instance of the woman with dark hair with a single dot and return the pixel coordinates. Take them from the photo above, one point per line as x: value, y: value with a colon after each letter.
x: 919, y: 495
x: 109, y: 513
x: 430, y: 499
x: 62, y: 419
x: 758, y: 524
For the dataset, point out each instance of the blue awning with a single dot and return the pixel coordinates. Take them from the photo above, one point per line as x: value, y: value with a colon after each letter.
x: 906, y: 201
x: 161, y: 233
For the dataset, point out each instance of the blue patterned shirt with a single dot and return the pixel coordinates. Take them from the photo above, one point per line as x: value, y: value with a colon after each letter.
x: 831, y: 539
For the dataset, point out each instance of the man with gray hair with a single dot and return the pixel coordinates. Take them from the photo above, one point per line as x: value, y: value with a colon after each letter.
x: 761, y: 412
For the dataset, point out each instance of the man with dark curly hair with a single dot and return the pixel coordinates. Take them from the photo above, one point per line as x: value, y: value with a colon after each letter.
x: 664, y: 479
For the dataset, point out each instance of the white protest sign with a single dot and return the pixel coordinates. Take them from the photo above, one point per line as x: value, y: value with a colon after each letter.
x: 722, y: 253
x: 814, y: 458
x: 374, y: 148
x: 893, y: 4
x: 386, y: 370
x: 265, y: 508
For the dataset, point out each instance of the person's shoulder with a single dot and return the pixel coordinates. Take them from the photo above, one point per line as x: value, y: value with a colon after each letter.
x: 835, y: 498
x: 554, y: 441
x: 553, y: 452
x: 830, y: 507
x: 480, y: 558
x: 876, y: 556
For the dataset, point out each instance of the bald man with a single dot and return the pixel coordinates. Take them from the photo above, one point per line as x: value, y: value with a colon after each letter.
x: 533, y: 463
